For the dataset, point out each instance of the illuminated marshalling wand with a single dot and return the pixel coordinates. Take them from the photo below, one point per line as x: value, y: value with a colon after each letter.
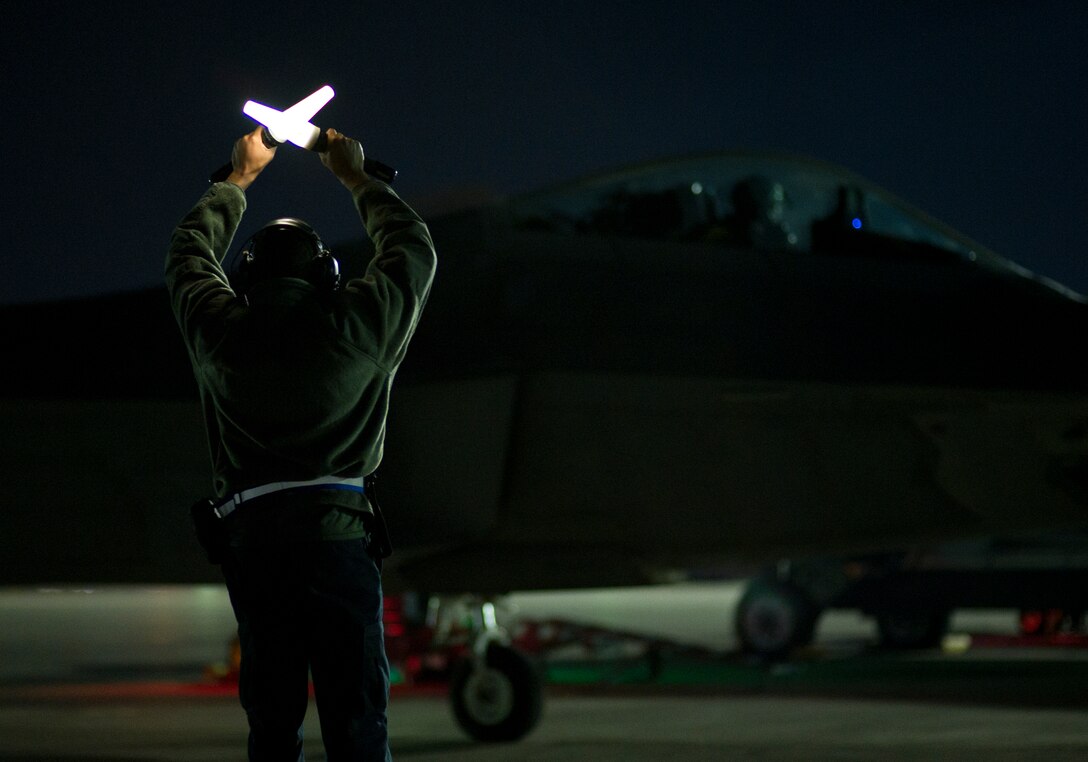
x: 293, y: 126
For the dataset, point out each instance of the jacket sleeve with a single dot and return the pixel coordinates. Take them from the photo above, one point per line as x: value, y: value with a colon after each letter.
x: 388, y: 300
x: 195, y: 280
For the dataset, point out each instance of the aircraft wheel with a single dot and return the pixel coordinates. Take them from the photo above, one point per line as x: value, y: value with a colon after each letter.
x: 500, y: 700
x: 906, y: 628
x: 774, y: 617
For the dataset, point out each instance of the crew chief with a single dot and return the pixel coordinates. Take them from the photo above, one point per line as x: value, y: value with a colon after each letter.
x: 294, y: 372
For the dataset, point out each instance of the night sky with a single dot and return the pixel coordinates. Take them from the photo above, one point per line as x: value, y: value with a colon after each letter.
x: 115, y: 113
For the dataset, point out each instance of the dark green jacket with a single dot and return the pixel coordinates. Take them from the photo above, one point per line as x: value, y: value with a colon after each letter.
x: 295, y: 384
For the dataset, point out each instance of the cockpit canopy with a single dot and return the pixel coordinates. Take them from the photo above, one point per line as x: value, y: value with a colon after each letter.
x: 765, y: 202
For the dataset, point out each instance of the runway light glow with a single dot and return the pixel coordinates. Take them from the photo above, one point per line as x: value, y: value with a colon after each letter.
x: 856, y: 223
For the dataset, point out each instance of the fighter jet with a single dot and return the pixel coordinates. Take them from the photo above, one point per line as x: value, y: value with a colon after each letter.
x: 739, y: 354
x: 706, y: 361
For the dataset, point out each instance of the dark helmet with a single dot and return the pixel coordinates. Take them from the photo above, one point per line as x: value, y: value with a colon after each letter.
x: 285, y: 248
x: 758, y: 197
x: 759, y: 214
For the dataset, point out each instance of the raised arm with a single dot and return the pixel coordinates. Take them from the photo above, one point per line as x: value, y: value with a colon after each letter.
x: 390, y: 297
x: 195, y: 279
x: 249, y: 158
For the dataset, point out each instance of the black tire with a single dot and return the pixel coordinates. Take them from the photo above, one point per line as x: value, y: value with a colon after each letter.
x: 774, y: 618
x: 497, y: 701
x: 908, y: 628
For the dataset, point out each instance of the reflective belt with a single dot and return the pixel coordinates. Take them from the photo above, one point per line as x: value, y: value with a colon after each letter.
x: 228, y: 506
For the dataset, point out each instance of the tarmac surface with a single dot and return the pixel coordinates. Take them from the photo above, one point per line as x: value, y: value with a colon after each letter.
x: 602, y: 724
x: 989, y: 696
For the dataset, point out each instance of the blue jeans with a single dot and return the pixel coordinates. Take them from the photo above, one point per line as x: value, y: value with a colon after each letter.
x: 311, y: 609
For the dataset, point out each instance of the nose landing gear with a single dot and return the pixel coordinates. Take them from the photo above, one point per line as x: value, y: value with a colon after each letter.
x: 498, y: 697
x: 496, y: 692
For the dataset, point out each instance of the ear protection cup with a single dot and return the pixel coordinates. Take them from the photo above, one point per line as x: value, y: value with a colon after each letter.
x: 322, y: 270
x: 241, y: 276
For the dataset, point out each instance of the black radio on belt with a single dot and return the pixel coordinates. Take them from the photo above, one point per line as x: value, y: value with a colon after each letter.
x: 211, y: 533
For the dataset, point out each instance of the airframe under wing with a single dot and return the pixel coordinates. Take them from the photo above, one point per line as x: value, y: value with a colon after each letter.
x: 102, y: 447
x: 697, y: 419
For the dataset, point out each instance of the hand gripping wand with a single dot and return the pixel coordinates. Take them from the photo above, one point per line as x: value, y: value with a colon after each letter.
x: 293, y: 126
